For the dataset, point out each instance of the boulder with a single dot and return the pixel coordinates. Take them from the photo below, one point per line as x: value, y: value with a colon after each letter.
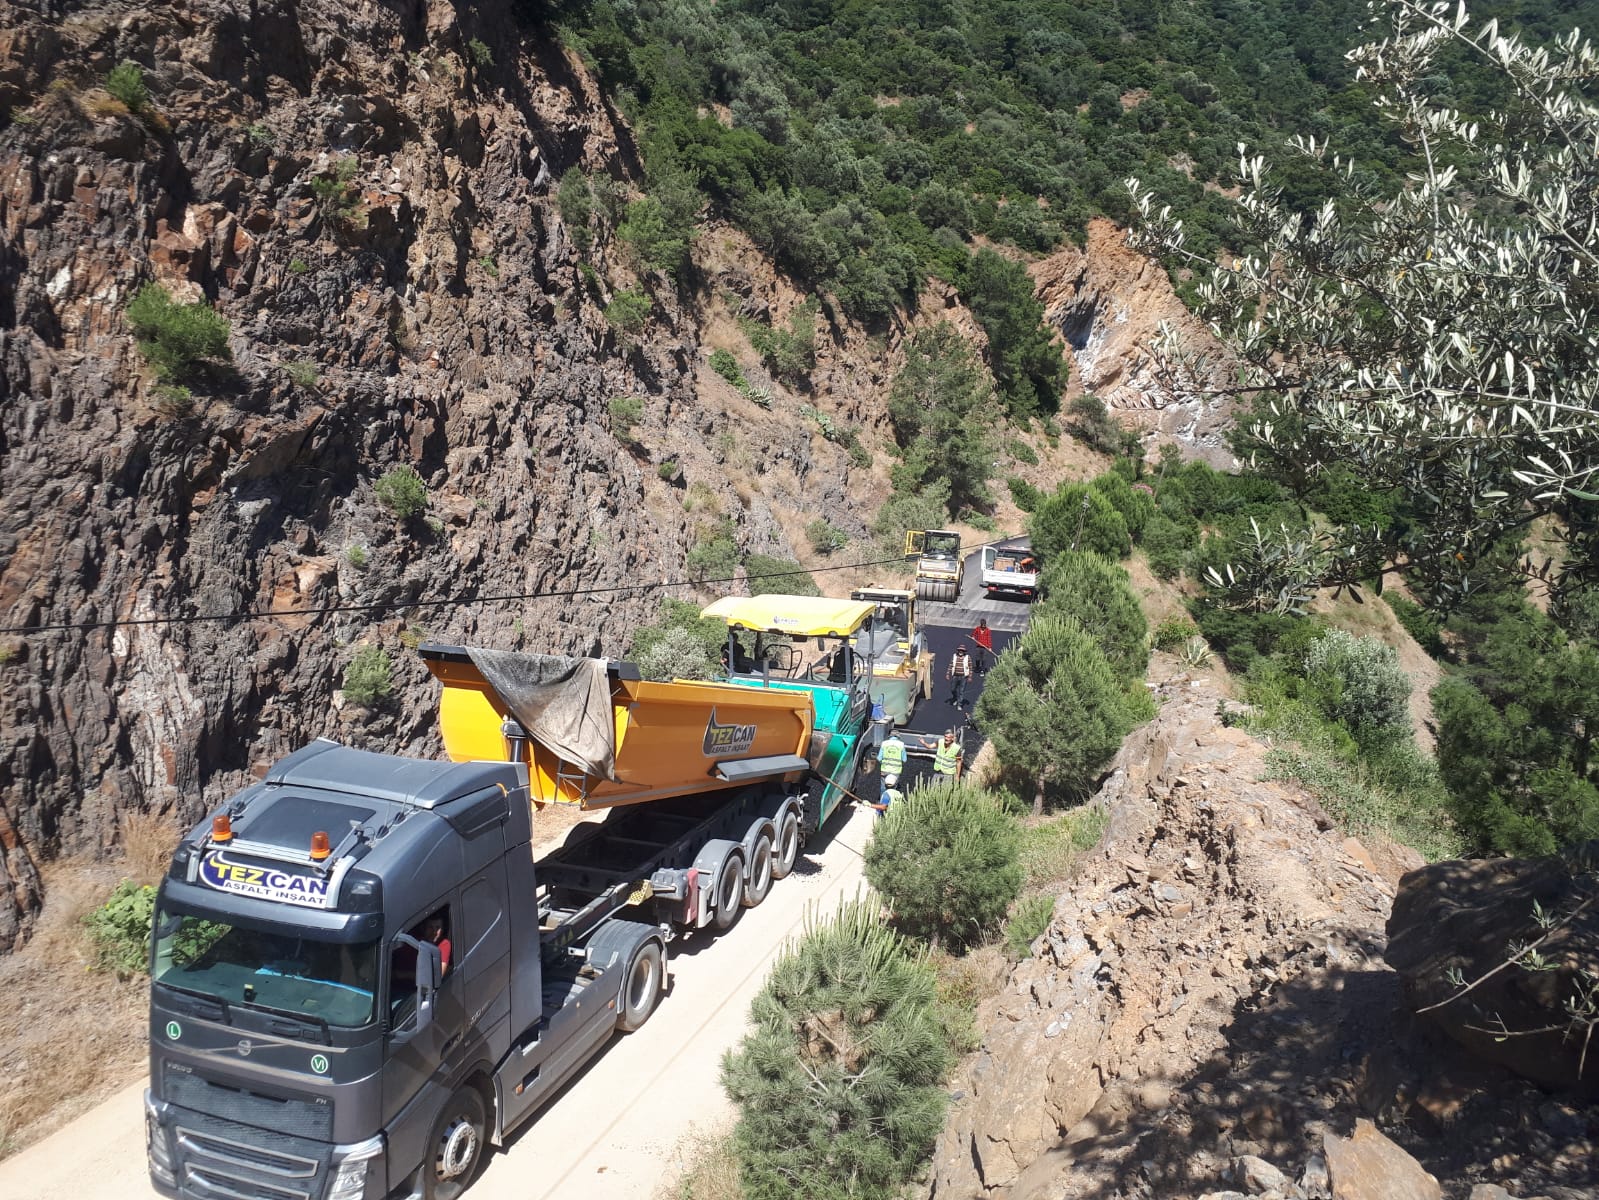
x: 1368, y: 1166
x: 1463, y: 918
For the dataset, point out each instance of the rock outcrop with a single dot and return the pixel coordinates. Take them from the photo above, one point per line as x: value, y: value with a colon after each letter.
x: 1210, y: 1010
x: 1467, y: 920
x: 1109, y: 302
x: 438, y: 319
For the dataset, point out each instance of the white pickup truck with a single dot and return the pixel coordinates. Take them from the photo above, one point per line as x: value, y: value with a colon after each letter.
x: 1010, y: 569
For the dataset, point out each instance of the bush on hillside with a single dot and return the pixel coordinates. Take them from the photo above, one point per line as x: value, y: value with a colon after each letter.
x: 176, y: 339
x: 1358, y: 682
x: 119, y: 930
x: 402, y: 492
x: 369, y: 677
x: 838, y: 1086
x: 946, y: 860
x: 679, y: 643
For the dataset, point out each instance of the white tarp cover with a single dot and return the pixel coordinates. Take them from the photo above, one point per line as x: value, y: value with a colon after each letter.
x: 563, y: 703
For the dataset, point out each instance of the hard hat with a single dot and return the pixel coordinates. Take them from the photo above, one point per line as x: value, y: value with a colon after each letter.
x: 890, y: 779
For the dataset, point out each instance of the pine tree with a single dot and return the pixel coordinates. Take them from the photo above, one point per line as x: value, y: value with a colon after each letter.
x: 1053, y: 706
x: 837, y: 1087
x: 945, y: 859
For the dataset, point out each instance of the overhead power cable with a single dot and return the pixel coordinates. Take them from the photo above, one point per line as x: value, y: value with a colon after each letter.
x: 252, y: 614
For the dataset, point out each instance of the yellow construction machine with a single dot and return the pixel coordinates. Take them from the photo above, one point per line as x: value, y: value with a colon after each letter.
x: 902, y: 664
x: 940, y: 568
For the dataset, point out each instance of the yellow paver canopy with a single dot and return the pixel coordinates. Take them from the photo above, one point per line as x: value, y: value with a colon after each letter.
x: 799, y: 616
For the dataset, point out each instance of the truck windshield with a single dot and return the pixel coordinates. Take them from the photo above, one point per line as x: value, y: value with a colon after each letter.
x: 283, y: 973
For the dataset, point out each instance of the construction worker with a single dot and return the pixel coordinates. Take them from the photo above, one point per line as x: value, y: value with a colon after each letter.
x: 887, y: 799
x: 891, y: 760
x: 959, y: 674
x: 984, y: 637
x: 947, y: 758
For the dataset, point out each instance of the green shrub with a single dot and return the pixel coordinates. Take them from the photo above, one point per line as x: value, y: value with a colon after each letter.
x: 679, y: 643
x: 675, y: 654
x: 1358, y: 682
x: 1056, y: 709
x: 575, y: 201
x: 126, y: 83
x: 298, y: 266
x: 725, y: 365
x: 1022, y: 452
x: 369, y: 676
x: 714, y: 556
x: 337, y: 196
x: 825, y: 537
x: 1027, y: 923
x: 119, y: 930
x: 781, y: 575
x: 1026, y: 496
x: 402, y: 492
x: 658, y: 237
x: 357, y: 557
x: 1173, y: 632
x: 1098, y: 593
x: 789, y: 351
x: 1090, y: 422
x: 626, y: 412
x: 628, y: 312
x: 945, y: 859
x: 839, y: 1085
x: 1079, y: 517
x: 302, y: 374
x: 174, y: 338
x: 481, y: 54
x: 667, y: 470
x: 259, y: 136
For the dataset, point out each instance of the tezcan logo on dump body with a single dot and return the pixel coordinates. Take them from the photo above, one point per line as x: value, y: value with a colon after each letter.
x: 264, y: 883
x: 723, y: 741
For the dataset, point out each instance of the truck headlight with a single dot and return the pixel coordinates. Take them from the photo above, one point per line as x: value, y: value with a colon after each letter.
x: 155, y: 1141
x: 351, y: 1169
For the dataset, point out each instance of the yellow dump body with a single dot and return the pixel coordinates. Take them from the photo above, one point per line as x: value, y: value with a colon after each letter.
x: 670, y: 738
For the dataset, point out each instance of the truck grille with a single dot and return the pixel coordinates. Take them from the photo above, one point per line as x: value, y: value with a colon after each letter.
x: 222, y: 1160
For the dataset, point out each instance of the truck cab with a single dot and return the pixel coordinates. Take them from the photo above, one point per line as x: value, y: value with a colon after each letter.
x: 331, y: 963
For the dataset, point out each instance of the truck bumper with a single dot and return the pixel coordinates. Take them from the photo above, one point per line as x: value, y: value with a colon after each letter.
x: 205, y: 1163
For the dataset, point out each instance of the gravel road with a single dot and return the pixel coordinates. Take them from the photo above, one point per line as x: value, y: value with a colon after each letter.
x: 615, y: 1131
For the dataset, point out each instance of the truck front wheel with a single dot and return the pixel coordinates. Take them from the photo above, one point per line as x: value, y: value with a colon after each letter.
x: 456, y: 1147
x: 643, y: 987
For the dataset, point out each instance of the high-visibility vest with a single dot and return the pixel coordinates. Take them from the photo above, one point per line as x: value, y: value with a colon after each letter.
x: 947, y: 758
x: 891, y: 795
x: 891, y: 758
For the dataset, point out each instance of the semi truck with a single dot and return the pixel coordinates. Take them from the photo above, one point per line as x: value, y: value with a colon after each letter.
x: 362, y: 978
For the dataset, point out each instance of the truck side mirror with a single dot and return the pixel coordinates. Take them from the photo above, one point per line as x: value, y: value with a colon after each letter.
x: 429, y: 971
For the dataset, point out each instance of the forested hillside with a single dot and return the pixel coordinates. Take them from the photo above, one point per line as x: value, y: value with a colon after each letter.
x: 866, y: 143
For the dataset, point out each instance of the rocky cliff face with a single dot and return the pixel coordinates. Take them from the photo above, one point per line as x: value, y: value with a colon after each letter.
x: 366, y: 192
x: 440, y: 324
x: 1209, y: 1013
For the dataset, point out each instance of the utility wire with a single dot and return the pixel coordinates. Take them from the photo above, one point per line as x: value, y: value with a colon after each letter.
x: 251, y: 614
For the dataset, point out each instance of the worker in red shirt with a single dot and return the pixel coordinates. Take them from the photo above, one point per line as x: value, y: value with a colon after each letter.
x: 984, y: 637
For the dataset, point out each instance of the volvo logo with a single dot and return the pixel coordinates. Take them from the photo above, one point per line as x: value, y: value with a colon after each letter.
x: 245, y: 1048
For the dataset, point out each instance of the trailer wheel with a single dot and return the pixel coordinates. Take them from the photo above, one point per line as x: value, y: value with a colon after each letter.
x: 760, y: 874
x: 786, y: 850
x: 456, y: 1148
x: 729, y: 892
x: 642, y: 990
